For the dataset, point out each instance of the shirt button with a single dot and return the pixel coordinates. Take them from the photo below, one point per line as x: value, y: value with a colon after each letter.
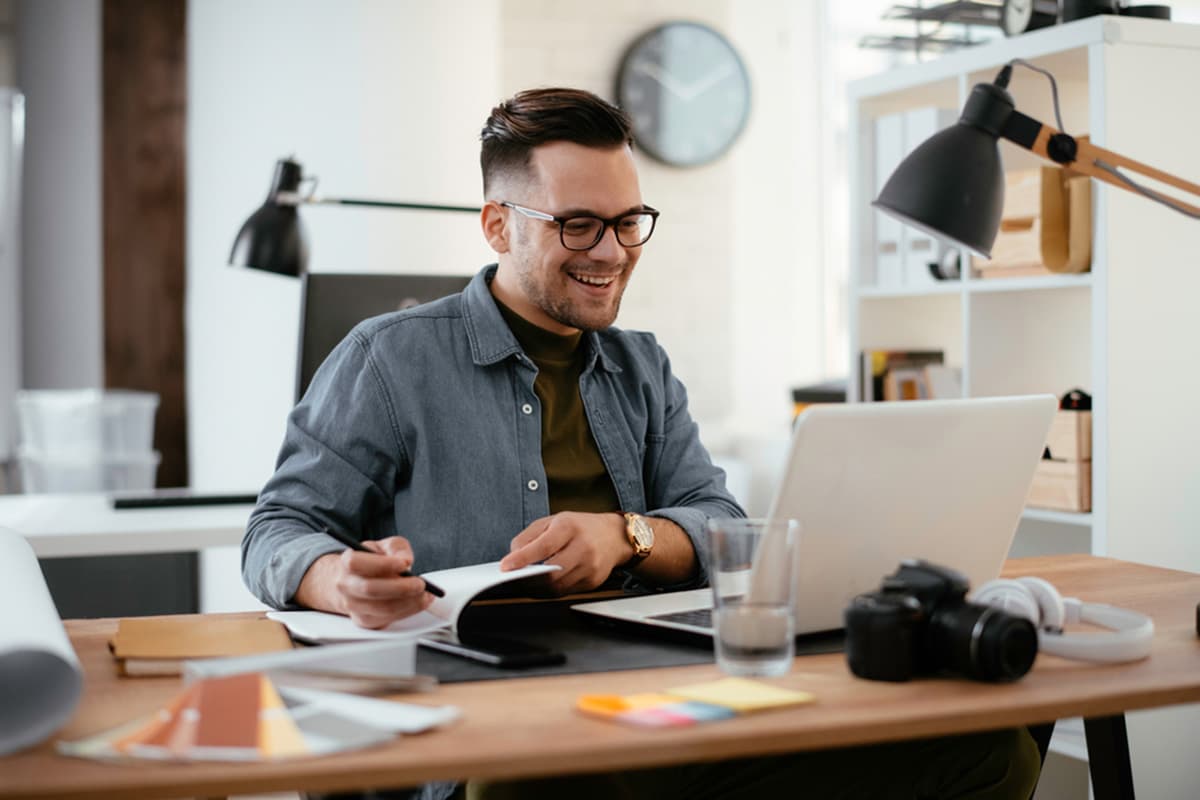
x: 527, y: 409
x: 533, y: 486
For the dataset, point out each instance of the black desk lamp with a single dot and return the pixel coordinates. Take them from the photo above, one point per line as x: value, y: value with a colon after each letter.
x: 952, y: 185
x: 273, y: 238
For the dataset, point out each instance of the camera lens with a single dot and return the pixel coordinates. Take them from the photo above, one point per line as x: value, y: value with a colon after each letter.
x: 983, y: 642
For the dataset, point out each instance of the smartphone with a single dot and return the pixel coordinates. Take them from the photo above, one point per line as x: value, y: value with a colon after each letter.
x: 492, y: 650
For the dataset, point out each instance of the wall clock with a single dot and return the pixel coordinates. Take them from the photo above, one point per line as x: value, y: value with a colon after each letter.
x: 686, y: 90
x: 1019, y: 16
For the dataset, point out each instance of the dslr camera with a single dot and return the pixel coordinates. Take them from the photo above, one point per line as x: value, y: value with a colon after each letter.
x: 920, y: 622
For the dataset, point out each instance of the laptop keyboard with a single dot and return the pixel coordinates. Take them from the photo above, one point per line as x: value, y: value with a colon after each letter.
x: 699, y: 617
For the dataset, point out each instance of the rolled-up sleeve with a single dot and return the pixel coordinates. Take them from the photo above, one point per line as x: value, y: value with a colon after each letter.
x: 338, y: 469
x: 686, y: 487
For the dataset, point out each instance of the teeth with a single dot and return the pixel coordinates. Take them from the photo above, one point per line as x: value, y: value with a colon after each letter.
x: 592, y: 280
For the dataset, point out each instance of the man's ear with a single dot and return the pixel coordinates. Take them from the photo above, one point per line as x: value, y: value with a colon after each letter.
x: 493, y: 220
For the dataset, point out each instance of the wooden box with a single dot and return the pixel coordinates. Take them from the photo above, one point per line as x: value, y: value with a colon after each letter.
x: 1045, y: 226
x: 1062, y: 485
x: 1070, y: 436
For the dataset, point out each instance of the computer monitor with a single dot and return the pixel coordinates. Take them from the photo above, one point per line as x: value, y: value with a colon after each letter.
x: 333, y: 303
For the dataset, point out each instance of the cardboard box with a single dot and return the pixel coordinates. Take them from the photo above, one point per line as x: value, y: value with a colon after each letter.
x: 1062, y: 485
x: 1070, y: 436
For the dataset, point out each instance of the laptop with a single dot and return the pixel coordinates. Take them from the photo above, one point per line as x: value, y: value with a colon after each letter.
x: 875, y: 483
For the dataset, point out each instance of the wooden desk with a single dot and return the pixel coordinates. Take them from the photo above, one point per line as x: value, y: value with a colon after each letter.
x: 527, y: 727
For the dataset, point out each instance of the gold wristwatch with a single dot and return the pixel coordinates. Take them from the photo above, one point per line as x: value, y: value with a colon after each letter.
x: 641, y: 536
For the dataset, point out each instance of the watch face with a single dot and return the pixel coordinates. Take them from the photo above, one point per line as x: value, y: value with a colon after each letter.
x: 687, y: 92
x: 643, y: 534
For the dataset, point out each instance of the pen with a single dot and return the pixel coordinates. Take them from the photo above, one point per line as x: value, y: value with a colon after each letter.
x: 355, y: 544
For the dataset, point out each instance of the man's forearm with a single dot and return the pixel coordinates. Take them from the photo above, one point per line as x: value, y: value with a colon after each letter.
x: 317, y: 588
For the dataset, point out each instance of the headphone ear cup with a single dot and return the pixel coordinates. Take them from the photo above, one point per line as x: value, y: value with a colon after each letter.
x: 1009, y: 595
x: 1050, y: 603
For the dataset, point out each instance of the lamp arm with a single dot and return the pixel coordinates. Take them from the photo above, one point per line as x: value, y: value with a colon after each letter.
x: 1086, y: 158
x: 348, y: 201
x: 297, y: 199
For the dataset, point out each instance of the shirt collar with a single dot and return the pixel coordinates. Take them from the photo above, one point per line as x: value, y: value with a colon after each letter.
x: 490, y: 338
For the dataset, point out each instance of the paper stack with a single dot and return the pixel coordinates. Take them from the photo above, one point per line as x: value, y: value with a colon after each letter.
x: 247, y: 717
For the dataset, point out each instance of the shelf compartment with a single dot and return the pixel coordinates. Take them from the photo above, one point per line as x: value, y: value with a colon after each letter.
x: 1030, y: 342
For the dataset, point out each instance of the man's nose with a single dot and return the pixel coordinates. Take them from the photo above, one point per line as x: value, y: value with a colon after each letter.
x: 608, y: 248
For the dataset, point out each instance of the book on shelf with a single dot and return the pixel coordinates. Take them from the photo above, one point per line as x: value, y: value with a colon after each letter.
x: 943, y: 382
x: 897, y: 374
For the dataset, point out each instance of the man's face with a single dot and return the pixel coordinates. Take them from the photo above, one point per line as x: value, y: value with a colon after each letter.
x: 559, y: 289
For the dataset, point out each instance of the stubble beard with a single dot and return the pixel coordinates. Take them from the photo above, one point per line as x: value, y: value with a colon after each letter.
x: 559, y: 306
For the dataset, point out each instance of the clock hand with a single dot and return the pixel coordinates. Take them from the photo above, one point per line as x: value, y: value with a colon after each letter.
x: 661, y: 76
x: 701, y: 86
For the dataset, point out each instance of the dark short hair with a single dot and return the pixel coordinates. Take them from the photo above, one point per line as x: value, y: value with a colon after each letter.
x: 538, y: 116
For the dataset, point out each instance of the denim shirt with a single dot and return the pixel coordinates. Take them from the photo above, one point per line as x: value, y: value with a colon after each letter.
x: 424, y: 423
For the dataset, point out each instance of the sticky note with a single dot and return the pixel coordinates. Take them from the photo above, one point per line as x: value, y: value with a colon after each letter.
x: 651, y: 710
x: 610, y: 705
x: 741, y: 694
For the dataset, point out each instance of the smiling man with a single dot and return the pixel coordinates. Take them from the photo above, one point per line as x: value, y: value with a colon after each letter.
x: 513, y: 422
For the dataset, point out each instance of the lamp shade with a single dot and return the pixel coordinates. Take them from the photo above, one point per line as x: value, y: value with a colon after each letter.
x: 273, y: 238
x: 952, y: 187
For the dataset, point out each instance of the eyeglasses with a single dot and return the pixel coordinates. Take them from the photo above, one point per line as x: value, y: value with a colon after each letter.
x: 584, y: 231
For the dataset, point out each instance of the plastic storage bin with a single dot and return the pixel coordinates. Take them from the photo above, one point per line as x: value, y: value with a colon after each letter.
x: 42, y: 473
x: 108, y: 424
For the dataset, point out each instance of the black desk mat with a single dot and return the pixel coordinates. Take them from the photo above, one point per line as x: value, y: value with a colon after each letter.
x: 589, y: 645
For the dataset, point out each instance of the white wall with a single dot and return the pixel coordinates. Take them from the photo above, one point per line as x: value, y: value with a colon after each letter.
x: 379, y: 99
x: 58, y: 69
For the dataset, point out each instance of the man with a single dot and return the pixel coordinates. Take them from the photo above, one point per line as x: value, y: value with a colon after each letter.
x: 513, y: 423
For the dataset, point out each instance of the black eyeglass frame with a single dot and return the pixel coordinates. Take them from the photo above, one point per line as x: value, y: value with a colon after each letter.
x: 605, y: 224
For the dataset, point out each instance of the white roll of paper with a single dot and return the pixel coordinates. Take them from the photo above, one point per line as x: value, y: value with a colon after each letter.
x: 40, y: 677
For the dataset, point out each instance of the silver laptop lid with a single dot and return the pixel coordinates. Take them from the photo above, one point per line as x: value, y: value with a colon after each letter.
x: 875, y: 483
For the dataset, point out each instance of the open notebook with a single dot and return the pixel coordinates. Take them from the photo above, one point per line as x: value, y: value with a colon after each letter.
x: 461, y: 585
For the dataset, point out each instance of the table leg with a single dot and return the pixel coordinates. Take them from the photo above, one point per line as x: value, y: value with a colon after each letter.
x: 1108, y: 757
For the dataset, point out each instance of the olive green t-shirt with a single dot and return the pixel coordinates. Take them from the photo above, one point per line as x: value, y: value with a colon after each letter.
x: 575, y: 472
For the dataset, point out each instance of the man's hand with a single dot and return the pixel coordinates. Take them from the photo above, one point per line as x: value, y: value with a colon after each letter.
x: 588, y: 547
x: 367, y: 587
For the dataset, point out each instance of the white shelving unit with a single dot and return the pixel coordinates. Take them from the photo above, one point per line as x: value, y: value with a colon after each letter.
x: 1126, y: 331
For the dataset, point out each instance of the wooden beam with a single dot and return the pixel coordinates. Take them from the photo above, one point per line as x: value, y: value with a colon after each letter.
x: 144, y: 179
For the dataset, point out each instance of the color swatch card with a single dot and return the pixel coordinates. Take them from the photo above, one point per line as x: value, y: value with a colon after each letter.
x: 247, y: 718
x: 689, y: 705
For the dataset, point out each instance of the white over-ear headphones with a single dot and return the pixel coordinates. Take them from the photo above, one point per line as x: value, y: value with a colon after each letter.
x: 1038, y: 601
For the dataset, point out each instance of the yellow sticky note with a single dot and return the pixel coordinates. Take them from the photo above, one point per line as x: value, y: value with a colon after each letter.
x: 741, y: 694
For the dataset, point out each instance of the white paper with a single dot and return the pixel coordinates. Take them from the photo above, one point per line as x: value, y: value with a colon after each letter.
x: 40, y: 677
x: 385, y: 715
x: 460, y: 585
x: 395, y: 657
